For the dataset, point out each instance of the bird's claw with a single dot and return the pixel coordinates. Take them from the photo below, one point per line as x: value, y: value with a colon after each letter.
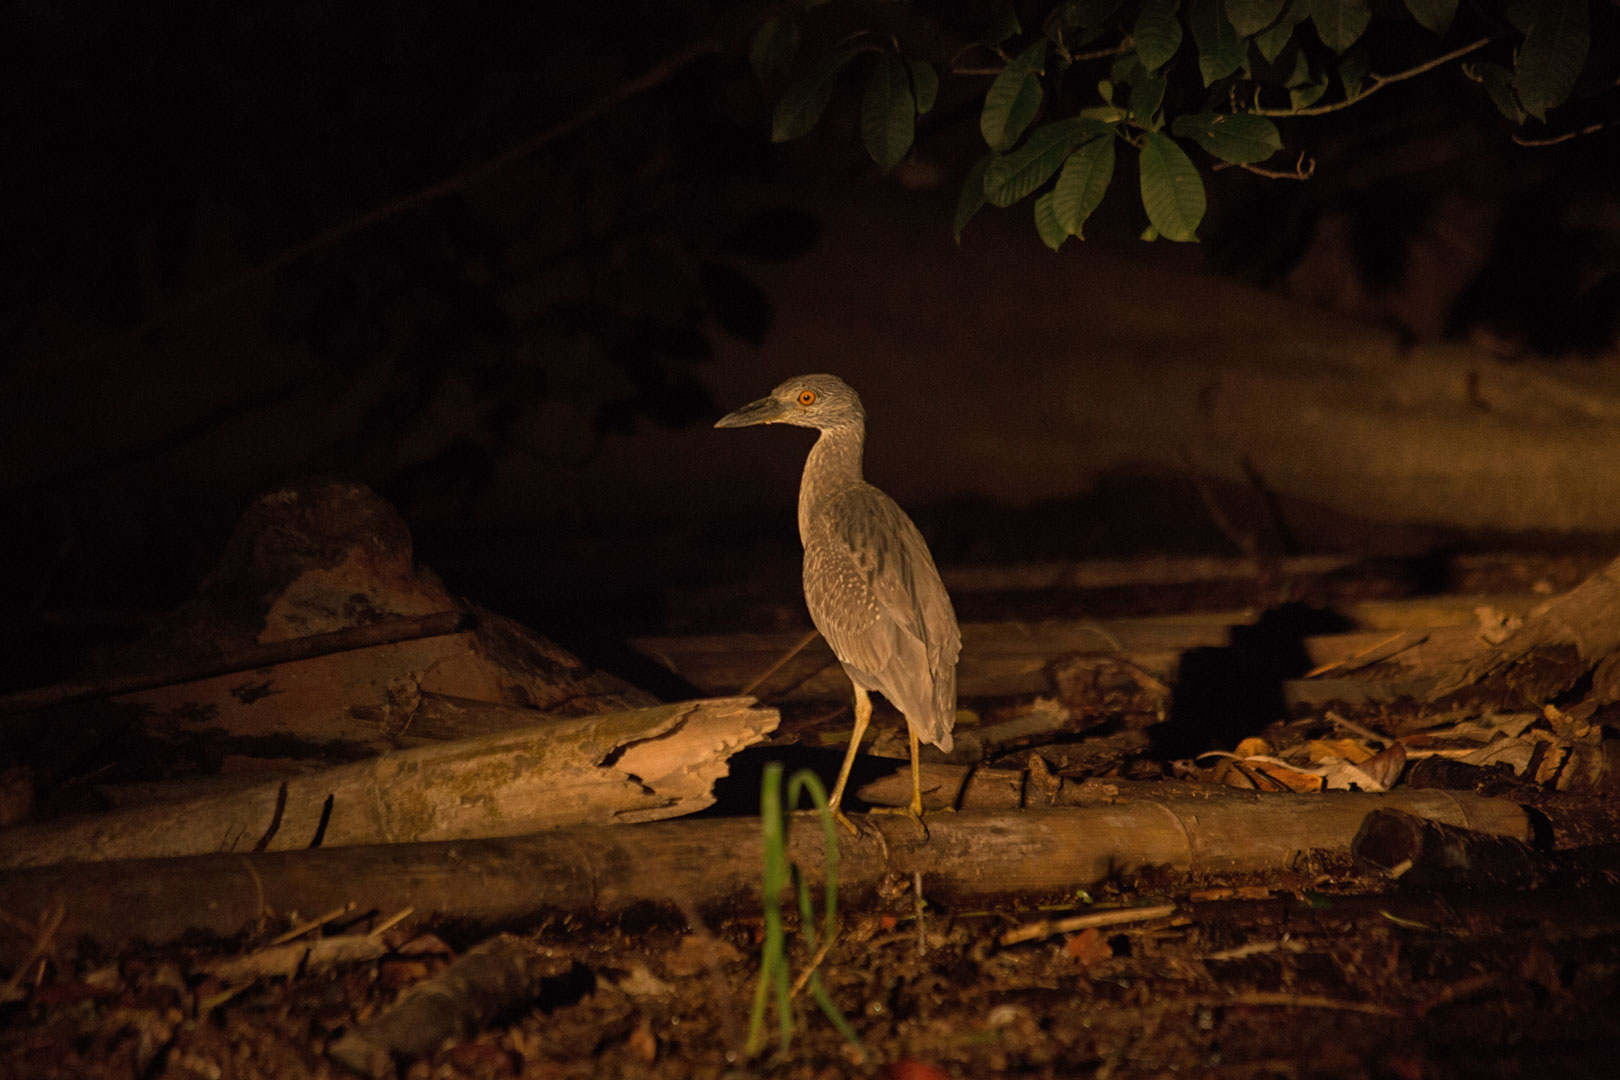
x: 913, y: 812
x: 842, y: 819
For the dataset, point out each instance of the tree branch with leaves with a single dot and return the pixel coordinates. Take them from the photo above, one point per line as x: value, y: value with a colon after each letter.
x: 1163, y: 78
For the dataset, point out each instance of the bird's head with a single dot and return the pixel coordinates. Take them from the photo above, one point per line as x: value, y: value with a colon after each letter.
x: 815, y: 401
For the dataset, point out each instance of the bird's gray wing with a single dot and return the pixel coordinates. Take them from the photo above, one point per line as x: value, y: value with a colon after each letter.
x: 886, y: 598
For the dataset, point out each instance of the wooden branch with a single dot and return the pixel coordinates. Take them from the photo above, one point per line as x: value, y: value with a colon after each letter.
x: 267, y: 654
x: 1378, y: 82
x: 1300, y: 171
x: 622, y: 767
x: 1553, y: 140
x: 712, y: 865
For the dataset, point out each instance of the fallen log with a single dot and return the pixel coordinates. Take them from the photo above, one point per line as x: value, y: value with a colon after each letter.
x: 246, y: 658
x: 1557, y: 644
x: 1010, y: 658
x: 1427, y: 854
x: 621, y: 767
x: 712, y: 865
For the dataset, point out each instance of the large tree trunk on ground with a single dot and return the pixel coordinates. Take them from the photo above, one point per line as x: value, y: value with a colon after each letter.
x: 1556, y: 644
x: 714, y: 864
x: 623, y: 767
x: 1006, y: 658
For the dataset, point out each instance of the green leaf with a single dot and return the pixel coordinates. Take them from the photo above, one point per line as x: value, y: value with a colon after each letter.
x: 1157, y: 33
x: 924, y: 84
x: 803, y: 103
x: 1108, y: 114
x: 1220, y: 49
x: 1340, y: 22
x: 1083, y: 183
x: 1241, y: 138
x: 1093, y: 12
x: 1551, y: 57
x: 888, y: 112
x: 1147, y: 94
x: 774, y: 45
x: 1498, y: 83
x: 1305, y: 87
x: 1435, y: 15
x: 1172, y: 192
x: 1046, y: 223
x: 1521, y: 13
x: 1353, y: 67
x: 1013, y: 99
x: 1252, y: 16
x: 1003, y: 25
x: 1275, y: 38
x: 972, y: 196
x: 1010, y: 178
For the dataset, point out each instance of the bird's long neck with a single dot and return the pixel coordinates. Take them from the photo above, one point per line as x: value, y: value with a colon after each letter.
x: 834, y: 465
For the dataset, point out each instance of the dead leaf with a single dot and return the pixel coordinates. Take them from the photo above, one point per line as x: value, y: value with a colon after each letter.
x: 1351, y: 750
x: 643, y: 1043
x: 1540, y: 968
x: 1386, y: 766
x: 1253, y: 746
x: 642, y: 983
x: 1088, y: 947
x: 425, y: 945
x: 1289, y: 777
x: 696, y: 952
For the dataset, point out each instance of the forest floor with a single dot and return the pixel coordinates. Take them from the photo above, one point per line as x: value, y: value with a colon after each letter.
x: 1317, y: 969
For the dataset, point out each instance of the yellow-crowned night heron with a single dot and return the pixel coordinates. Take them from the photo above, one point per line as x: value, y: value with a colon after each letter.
x: 869, y: 580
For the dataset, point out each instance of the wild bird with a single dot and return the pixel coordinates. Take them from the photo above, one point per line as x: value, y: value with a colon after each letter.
x: 869, y: 580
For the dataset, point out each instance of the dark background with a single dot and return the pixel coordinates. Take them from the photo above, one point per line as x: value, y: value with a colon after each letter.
x: 446, y: 250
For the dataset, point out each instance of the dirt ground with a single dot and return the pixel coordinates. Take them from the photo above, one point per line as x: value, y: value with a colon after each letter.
x: 1295, y: 979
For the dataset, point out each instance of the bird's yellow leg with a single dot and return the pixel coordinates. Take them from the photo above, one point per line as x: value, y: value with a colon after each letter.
x: 863, y: 716
x: 913, y: 810
x: 916, y: 775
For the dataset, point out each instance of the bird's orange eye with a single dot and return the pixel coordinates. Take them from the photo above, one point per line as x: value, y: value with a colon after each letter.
x: 807, y: 397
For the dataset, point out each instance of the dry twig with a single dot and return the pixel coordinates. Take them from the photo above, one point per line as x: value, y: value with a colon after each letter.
x: 1111, y: 917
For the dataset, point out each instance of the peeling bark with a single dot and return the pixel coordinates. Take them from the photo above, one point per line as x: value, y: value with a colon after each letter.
x: 621, y: 767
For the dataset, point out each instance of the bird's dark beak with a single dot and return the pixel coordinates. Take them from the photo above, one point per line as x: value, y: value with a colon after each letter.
x: 764, y: 411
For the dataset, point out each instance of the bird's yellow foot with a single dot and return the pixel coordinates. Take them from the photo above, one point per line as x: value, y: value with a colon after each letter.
x: 914, y: 812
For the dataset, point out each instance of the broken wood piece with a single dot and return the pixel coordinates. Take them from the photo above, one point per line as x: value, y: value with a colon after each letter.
x: 1427, y: 854
x: 1556, y: 644
x: 310, y: 924
x: 285, y: 959
x: 713, y: 864
x: 487, y: 980
x: 622, y: 767
x: 1384, y: 646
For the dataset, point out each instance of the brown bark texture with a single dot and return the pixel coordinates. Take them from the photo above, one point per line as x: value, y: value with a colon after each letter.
x: 713, y: 864
x: 639, y: 765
